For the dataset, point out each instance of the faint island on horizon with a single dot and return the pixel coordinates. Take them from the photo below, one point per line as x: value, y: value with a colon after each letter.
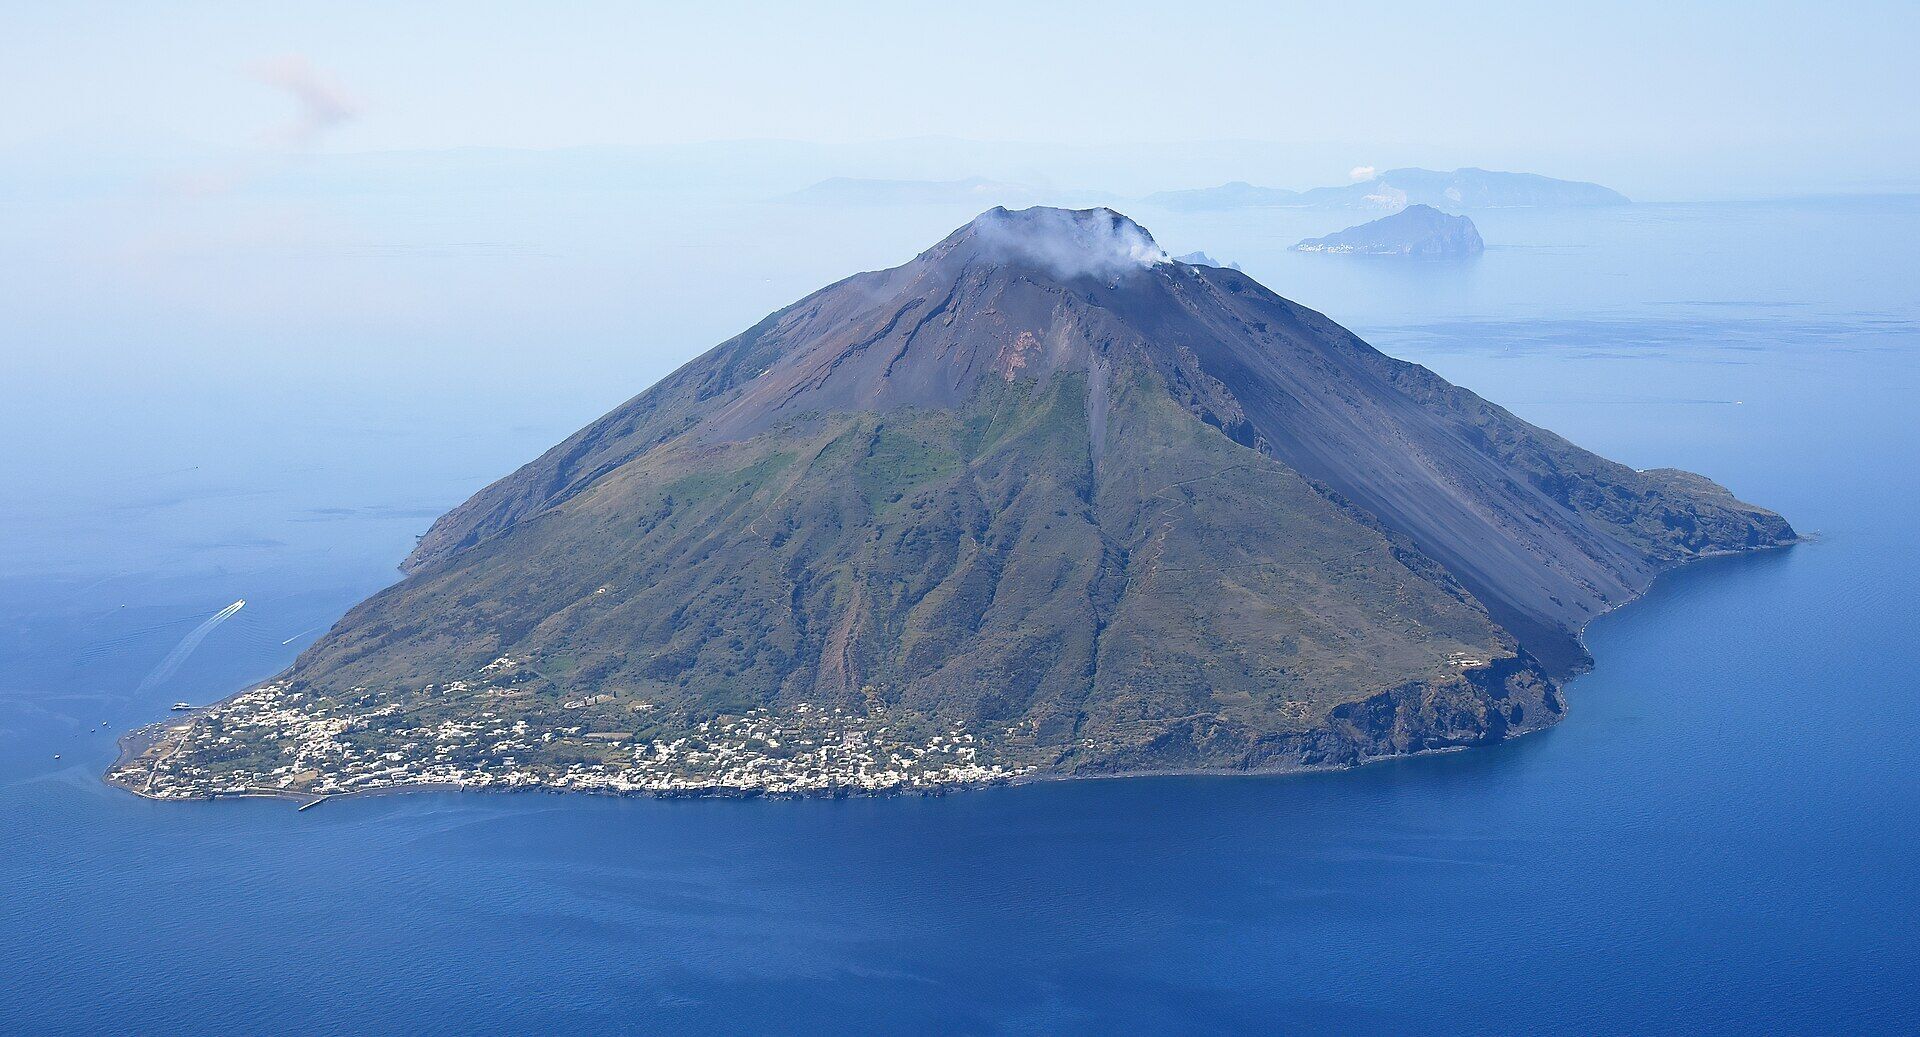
x: 1395, y: 189
x: 1459, y: 189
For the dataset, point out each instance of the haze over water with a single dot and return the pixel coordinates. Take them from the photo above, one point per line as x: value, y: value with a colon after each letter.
x: 1721, y: 837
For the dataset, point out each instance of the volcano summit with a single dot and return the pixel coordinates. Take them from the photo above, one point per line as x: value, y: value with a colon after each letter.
x: 1040, y: 502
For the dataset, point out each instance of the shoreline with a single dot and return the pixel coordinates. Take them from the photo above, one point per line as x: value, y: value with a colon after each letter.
x: 131, y: 744
x: 307, y: 799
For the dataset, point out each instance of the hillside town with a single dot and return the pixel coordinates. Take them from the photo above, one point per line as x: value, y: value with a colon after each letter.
x: 273, y: 740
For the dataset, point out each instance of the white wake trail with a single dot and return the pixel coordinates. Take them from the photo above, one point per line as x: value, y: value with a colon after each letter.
x: 188, y: 644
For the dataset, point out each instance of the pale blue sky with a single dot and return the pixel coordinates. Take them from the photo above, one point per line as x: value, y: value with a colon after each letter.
x: 1821, y: 86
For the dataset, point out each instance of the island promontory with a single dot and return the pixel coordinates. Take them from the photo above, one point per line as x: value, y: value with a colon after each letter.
x: 1417, y: 230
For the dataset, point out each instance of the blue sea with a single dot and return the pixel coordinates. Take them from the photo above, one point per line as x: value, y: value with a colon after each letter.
x: 1722, y: 837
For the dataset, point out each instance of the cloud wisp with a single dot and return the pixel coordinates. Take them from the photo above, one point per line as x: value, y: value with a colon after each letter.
x: 323, y: 105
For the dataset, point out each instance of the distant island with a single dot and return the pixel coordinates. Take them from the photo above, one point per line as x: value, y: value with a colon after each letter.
x: 1397, y: 188
x: 1202, y: 259
x: 1417, y: 230
x: 847, y: 190
x: 972, y: 192
x: 1042, y: 502
x: 1235, y: 195
x: 1385, y: 192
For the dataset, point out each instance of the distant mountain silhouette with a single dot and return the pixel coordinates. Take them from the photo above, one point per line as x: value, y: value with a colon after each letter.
x: 971, y: 191
x: 1202, y: 259
x: 1398, y: 188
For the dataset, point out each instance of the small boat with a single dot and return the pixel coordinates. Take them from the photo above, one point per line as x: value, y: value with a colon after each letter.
x: 181, y: 705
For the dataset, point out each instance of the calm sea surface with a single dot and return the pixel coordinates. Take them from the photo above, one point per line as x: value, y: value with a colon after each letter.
x: 1723, y: 836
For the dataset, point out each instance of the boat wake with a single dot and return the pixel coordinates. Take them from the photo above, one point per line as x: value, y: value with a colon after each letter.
x: 187, y: 645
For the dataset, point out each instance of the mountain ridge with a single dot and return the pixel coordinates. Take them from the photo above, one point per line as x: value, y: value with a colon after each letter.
x: 1043, y: 494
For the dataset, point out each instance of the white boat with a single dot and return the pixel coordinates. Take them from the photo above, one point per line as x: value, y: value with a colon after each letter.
x: 182, y: 705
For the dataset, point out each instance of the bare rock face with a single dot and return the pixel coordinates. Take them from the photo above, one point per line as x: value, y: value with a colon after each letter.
x: 1040, y: 501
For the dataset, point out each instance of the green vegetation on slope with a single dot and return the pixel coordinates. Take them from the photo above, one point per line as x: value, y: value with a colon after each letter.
x: 972, y: 570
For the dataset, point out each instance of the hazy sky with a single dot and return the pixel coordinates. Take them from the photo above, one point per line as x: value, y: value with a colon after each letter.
x: 1827, y: 84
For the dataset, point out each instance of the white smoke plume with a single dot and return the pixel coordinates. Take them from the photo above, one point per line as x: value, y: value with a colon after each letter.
x: 1069, y: 242
x: 1360, y: 173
